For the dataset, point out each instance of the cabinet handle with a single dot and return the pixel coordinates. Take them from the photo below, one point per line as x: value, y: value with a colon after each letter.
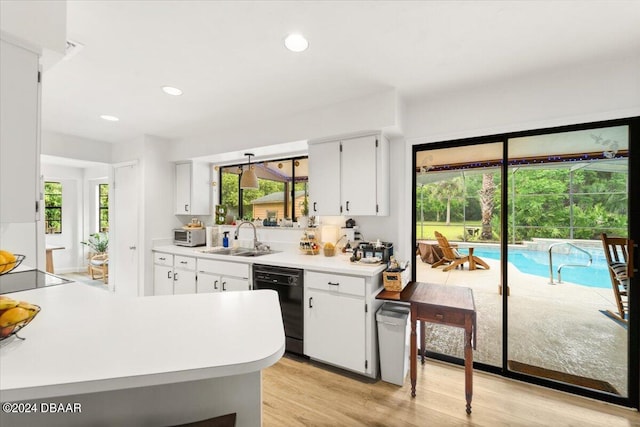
x: 439, y: 316
x: 175, y: 276
x: 310, y: 299
x: 314, y: 207
x: 215, y: 285
x: 162, y: 258
x: 334, y: 284
x: 186, y: 208
x: 183, y: 262
x: 169, y: 274
x: 224, y: 287
x: 347, y: 206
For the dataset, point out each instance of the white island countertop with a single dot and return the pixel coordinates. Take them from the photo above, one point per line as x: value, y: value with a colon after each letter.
x: 86, y: 340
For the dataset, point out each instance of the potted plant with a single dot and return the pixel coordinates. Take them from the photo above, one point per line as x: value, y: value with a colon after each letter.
x: 98, y: 242
x: 303, y: 221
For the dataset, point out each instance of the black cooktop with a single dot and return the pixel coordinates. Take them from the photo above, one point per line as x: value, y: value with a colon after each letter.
x: 30, y: 279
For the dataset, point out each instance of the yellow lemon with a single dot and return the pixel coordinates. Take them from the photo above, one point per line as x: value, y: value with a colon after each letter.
x: 8, y: 259
x: 14, y: 315
x: 6, y: 303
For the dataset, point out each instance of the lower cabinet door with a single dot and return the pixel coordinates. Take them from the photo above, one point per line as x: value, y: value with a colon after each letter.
x: 162, y: 280
x: 208, y: 282
x: 334, y: 329
x: 234, y: 284
x: 184, y: 282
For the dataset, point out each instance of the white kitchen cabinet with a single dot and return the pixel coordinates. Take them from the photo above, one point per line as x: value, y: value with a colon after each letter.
x: 184, y: 275
x: 193, y: 188
x: 162, y: 280
x: 234, y: 283
x: 208, y: 282
x: 222, y: 276
x: 349, y: 176
x: 20, y: 201
x: 335, y: 329
x: 173, y: 274
x: 338, y: 325
x: 19, y: 134
x: 324, y: 178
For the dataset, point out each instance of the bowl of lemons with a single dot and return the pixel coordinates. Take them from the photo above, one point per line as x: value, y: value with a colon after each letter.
x: 9, y: 261
x: 15, y: 315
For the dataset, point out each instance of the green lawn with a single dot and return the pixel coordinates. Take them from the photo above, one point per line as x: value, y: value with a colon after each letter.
x: 453, y: 231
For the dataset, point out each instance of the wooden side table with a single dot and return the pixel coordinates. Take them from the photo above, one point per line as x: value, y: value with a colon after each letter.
x: 49, y: 252
x: 445, y: 305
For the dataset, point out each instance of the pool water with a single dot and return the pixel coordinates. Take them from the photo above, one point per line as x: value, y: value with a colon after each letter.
x: 537, y: 263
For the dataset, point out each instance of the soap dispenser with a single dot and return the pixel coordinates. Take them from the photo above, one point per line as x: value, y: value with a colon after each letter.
x: 225, y: 239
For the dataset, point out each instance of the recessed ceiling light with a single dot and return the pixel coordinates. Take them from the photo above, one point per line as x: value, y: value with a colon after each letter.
x: 109, y: 118
x: 296, y: 43
x: 169, y: 90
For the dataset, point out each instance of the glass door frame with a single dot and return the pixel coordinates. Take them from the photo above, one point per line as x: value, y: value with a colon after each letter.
x: 633, y: 357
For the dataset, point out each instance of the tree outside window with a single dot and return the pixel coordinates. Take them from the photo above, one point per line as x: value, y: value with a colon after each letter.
x: 53, y: 207
x: 281, y: 193
x: 103, y: 207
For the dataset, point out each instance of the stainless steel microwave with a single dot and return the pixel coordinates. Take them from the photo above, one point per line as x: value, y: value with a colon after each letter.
x: 193, y: 237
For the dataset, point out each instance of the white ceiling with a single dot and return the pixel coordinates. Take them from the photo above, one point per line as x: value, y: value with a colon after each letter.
x: 229, y: 59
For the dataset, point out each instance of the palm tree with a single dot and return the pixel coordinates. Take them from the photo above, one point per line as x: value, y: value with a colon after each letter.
x: 448, y: 190
x: 486, y: 204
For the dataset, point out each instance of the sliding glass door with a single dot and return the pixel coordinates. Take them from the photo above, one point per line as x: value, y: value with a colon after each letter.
x: 565, y: 189
x: 531, y: 209
x: 458, y: 193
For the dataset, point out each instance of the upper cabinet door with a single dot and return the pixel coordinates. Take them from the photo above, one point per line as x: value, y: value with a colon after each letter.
x: 193, y: 189
x: 183, y: 189
x: 359, y: 176
x: 19, y: 124
x: 324, y: 178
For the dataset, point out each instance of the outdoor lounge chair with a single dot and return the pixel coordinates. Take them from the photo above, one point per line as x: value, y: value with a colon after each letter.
x: 618, y: 252
x: 453, y: 258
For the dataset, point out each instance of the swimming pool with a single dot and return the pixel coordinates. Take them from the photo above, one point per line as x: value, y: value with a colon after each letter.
x: 537, y: 263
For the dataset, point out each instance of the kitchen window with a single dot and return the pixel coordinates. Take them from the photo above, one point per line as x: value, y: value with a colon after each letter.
x: 53, y: 207
x: 103, y: 207
x: 282, y: 191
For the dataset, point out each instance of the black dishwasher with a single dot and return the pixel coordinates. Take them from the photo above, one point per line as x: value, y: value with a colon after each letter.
x: 288, y: 283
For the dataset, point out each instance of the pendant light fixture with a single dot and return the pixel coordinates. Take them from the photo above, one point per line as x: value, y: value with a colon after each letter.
x: 249, y: 179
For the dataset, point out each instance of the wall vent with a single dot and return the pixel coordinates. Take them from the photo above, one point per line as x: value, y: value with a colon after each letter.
x: 72, y: 48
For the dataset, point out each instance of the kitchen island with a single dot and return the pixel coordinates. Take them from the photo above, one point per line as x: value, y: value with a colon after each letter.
x: 140, y: 361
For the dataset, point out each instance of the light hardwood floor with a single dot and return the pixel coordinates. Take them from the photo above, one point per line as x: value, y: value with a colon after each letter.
x: 298, y: 392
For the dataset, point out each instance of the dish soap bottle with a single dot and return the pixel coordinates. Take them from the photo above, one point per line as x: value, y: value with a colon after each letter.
x: 225, y: 239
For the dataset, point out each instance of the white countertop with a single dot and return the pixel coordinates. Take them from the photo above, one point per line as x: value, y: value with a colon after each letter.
x: 336, y: 264
x: 87, y: 340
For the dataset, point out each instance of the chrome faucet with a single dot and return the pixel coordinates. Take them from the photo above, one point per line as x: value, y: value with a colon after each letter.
x: 256, y: 244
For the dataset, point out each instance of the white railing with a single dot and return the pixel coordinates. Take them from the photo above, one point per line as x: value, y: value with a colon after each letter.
x: 565, y: 265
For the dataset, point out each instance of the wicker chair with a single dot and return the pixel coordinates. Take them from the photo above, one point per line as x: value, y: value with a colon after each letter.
x: 99, y: 264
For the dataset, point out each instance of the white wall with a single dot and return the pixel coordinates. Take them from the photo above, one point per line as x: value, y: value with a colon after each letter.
x: 38, y: 22
x: 156, y: 183
x: 75, y: 147
x: 373, y: 112
x: 590, y: 92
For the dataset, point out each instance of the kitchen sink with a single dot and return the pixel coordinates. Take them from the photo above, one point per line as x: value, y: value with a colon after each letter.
x: 253, y: 252
x: 238, y: 252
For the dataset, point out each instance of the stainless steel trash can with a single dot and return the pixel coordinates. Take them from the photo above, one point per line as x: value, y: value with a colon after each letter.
x: 393, y: 341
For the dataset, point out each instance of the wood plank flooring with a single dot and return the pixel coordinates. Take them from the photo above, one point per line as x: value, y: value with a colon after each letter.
x: 298, y: 392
